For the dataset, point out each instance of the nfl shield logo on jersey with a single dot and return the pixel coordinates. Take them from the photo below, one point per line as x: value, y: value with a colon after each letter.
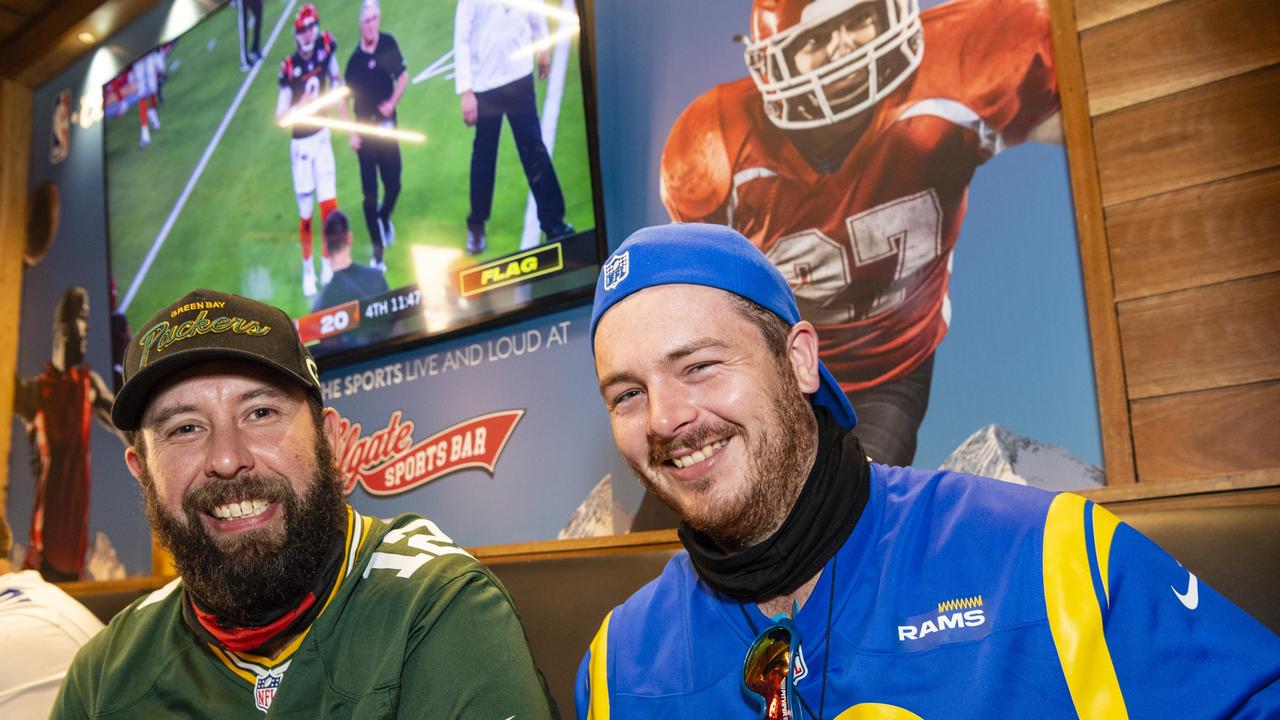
x: 265, y: 690
x: 615, y: 271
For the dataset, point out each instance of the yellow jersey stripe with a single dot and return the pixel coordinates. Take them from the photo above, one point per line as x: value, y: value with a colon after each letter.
x: 877, y: 711
x: 221, y: 654
x: 598, y: 675
x: 1104, y: 529
x: 1074, y: 618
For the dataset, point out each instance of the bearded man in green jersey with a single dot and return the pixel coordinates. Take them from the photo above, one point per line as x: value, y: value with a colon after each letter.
x: 288, y: 601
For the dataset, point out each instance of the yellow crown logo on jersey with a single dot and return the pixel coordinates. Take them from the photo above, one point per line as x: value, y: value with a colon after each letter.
x: 960, y: 604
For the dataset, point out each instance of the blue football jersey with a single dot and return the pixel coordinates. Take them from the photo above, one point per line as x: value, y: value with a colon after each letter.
x: 954, y: 597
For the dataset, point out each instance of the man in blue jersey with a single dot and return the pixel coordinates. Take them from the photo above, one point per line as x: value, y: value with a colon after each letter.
x: 817, y: 584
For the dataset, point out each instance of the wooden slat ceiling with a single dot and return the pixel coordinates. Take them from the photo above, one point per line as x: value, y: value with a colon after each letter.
x: 13, y: 13
x: 38, y: 38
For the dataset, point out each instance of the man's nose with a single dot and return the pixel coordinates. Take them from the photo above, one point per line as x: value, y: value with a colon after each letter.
x: 227, y: 454
x: 669, y: 411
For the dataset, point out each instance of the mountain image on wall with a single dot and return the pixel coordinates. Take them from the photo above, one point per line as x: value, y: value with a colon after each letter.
x: 997, y: 452
x: 103, y: 563
x: 598, y: 515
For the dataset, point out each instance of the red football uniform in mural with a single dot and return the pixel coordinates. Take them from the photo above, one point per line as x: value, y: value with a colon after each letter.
x: 58, y: 407
x: 866, y: 242
x: 60, y: 438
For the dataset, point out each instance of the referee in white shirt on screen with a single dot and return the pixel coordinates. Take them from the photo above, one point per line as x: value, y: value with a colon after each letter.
x: 41, y: 628
x: 493, y: 69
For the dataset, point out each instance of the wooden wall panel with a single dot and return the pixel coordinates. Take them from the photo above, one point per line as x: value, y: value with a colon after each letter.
x: 1225, y: 334
x: 1215, y: 432
x: 1206, y: 234
x: 1184, y: 97
x: 1213, y: 490
x: 1209, y: 133
x: 1095, y: 12
x: 1183, y: 45
x: 1229, y: 496
x: 15, y: 158
x: 1104, y: 333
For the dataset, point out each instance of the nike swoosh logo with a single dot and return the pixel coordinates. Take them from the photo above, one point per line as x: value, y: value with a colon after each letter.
x: 1191, y: 599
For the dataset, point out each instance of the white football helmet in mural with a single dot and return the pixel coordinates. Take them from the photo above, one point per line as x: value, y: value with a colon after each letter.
x: 822, y: 61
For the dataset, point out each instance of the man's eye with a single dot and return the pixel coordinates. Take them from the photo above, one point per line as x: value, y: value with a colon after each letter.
x: 625, y: 396
x: 184, y: 429
x: 262, y: 412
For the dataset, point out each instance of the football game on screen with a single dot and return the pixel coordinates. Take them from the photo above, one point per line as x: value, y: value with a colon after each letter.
x: 381, y: 170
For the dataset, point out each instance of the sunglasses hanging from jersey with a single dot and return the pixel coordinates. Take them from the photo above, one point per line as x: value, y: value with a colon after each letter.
x: 769, y: 668
x: 768, y: 671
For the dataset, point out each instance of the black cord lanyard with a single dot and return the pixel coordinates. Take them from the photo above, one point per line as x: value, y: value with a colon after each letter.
x: 826, y: 653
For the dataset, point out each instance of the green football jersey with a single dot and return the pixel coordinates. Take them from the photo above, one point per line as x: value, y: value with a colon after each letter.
x: 414, y: 627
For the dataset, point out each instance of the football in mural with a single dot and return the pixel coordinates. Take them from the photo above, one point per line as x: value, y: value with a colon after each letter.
x: 42, y: 222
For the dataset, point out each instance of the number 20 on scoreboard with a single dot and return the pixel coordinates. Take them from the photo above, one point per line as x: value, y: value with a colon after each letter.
x: 330, y: 321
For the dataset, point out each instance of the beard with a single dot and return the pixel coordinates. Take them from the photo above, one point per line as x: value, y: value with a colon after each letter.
x: 737, y: 518
x: 251, y: 577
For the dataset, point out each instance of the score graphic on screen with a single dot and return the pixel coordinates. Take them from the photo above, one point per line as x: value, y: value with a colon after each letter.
x: 358, y: 322
x: 327, y: 323
x: 408, y: 309
x: 230, y: 177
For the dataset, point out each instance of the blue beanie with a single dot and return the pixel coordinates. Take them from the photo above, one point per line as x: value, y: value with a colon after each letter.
x: 715, y: 256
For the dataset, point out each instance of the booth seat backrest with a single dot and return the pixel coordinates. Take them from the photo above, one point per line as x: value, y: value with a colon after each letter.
x: 562, y: 600
x: 1236, y: 550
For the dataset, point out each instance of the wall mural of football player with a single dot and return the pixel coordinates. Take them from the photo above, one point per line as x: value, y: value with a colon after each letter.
x: 306, y: 74
x: 846, y: 156
x: 58, y: 407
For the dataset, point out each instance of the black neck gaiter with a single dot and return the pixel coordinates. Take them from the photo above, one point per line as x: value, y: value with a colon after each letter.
x: 818, y: 525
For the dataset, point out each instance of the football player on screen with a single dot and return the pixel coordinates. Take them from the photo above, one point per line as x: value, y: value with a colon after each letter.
x: 147, y: 76
x: 846, y: 157
x: 309, y: 72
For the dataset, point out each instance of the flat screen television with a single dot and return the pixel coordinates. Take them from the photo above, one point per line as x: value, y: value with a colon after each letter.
x: 215, y: 180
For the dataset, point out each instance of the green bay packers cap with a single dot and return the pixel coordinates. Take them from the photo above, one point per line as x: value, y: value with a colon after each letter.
x: 209, y: 325
x: 715, y: 256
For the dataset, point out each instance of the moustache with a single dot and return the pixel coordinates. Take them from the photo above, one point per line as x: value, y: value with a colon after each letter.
x: 219, y: 491
x: 660, y: 449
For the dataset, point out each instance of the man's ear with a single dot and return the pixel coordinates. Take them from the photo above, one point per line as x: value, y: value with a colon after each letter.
x: 134, y: 461
x: 331, y: 420
x: 802, y: 352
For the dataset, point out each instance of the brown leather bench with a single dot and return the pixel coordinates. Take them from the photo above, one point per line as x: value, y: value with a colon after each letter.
x: 1235, y: 549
